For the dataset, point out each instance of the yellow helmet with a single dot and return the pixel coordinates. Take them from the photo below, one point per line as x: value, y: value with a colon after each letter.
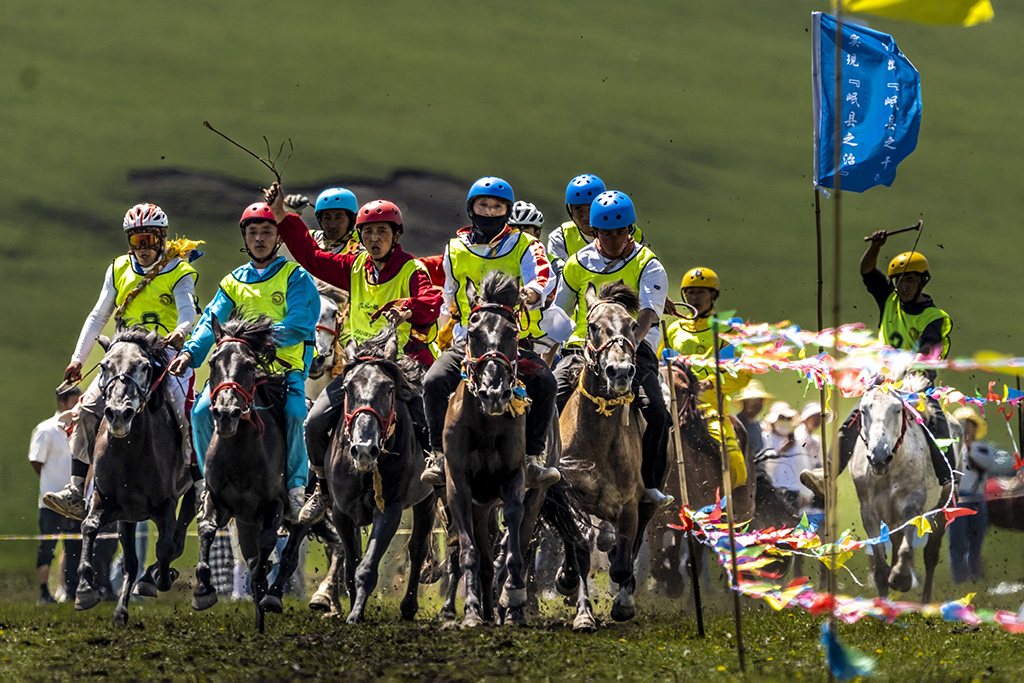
x: 700, y: 277
x: 909, y: 262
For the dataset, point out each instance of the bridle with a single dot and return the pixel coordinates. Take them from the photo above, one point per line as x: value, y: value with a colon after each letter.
x: 143, y: 393
x: 859, y: 420
x: 247, y: 394
x: 471, y: 364
x: 591, y: 353
x: 387, y: 425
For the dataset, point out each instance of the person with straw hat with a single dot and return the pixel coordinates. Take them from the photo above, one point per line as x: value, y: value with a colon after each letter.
x: 751, y: 400
x: 967, y: 533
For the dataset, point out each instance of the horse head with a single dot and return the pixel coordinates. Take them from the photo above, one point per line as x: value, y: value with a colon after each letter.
x: 610, y: 351
x: 883, y: 427
x: 373, y: 384
x: 126, y: 377
x: 243, y: 349
x: 492, y: 341
x: 327, y: 329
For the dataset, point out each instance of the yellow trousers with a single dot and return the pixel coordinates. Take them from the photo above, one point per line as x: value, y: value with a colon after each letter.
x: 737, y: 465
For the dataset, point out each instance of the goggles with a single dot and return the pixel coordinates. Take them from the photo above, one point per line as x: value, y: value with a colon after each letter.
x: 144, y: 240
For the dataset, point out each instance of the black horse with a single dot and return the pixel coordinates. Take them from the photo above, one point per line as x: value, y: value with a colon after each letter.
x: 246, y: 462
x: 138, y: 472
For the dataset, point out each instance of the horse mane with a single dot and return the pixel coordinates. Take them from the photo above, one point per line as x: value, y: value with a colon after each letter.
x: 499, y: 288
x: 258, y: 333
x: 141, y: 337
x: 622, y: 294
x: 372, y: 351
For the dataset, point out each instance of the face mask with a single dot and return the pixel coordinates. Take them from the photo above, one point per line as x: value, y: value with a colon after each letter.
x: 484, y: 228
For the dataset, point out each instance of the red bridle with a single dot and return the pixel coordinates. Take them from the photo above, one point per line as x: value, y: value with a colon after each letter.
x: 471, y: 364
x: 386, y: 425
x: 248, y: 395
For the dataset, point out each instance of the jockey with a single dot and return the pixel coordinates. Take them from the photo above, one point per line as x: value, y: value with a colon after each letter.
x: 487, y: 244
x: 614, y: 255
x: 143, y: 287
x: 381, y: 276
x: 267, y: 285
x: 574, y: 234
x: 694, y: 337
x: 549, y: 327
x: 335, y: 211
x: 910, y: 320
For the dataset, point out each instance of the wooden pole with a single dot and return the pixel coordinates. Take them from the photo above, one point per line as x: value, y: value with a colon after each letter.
x: 684, y: 497
x: 727, y: 487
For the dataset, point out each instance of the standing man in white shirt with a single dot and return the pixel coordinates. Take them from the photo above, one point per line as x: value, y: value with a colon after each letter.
x: 50, y: 455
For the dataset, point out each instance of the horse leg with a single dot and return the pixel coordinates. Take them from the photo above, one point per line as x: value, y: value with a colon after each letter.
x: 422, y: 525
x: 624, y: 606
x: 448, y: 613
x: 287, y: 563
x: 513, y: 591
x: 931, y: 559
x: 267, y: 541
x: 901, y: 578
x: 349, y: 534
x: 86, y: 596
x: 467, y: 517
x: 204, y: 595
x: 620, y: 556
x: 129, y: 568
x: 385, y: 524
x: 166, y: 545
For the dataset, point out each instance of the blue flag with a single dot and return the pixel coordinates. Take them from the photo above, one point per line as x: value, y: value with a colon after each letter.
x: 880, y: 112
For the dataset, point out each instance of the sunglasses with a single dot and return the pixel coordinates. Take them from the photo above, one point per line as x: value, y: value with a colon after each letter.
x: 143, y: 240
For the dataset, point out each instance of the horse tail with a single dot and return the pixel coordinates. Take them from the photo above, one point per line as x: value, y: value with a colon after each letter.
x: 561, y: 512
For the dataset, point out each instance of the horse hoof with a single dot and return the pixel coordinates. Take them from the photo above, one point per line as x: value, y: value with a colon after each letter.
x: 145, y: 588
x: 353, y: 619
x: 272, y: 603
x: 472, y: 621
x: 446, y: 614
x: 320, y: 602
x: 584, y: 623
x: 120, y: 618
x: 201, y: 602
x: 165, y: 585
x: 408, y: 610
x: 566, y: 587
x: 450, y: 625
x: 516, y: 617
x: 512, y: 597
x: 901, y: 582
x: 86, y: 599
x: 622, y: 612
x: 606, y: 538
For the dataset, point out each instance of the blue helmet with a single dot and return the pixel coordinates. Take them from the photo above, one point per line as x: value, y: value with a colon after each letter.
x: 336, y: 198
x: 611, y: 210
x: 490, y: 186
x: 583, y: 188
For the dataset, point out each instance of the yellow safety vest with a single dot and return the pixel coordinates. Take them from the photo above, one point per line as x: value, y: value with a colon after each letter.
x: 574, y: 239
x: 270, y: 298
x: 695, y: 338
x: 577, y: 277
x: 366, y: 298
x: 154, y: 306
x: 467, y: 265
x: 901, y: 330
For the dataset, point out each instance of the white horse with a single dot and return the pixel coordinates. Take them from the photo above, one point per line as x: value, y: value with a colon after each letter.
x: 328, y: 327
x: 895, y: 481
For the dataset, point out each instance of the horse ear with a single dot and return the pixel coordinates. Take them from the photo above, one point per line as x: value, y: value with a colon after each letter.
x: 590, y: 295
x: 350, y: 350
x: 391, y: 346
x: 470, y: 292
x: 104, y: 342
x: 218, y: 332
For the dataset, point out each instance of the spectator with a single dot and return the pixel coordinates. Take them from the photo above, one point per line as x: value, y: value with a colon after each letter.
x: 785, y: 457
x: 751, y: 400
x: 50, y: 456
x: 967, y: 533
x: 810, y: 443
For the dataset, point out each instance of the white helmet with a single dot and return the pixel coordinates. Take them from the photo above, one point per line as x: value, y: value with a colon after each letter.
x: 525, y: 213
x: 145, y: 216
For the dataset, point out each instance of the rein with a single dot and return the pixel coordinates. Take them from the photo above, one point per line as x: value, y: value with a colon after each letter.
x: 387, y: 426
x: 128, y: 379
x: 471, y: 364
x: 591, y: 356
x: 859, y: 421
x: 248, y: 396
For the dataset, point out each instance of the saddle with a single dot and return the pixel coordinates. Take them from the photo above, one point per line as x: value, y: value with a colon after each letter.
x: 270, y: 395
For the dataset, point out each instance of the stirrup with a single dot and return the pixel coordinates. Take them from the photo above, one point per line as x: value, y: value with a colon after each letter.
x: 653, y: 495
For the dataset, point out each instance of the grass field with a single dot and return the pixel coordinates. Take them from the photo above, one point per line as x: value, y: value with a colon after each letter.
x: 701, y: 111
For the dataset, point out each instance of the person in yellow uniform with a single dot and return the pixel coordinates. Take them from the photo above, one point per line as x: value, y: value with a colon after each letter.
x: 143, y: 287
x: 273, y: 286
x: 909, y: 320
x: 576, y: 233
x: 614, y: 255
x: 694, y: 337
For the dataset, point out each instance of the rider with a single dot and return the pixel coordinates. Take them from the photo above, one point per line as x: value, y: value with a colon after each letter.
x: 267, y: 285
x: 380, y: 277
x: 335, y: 210
x: 551, y: 327
x: 614, y: 255
x: 574, y: 234
x: 487, y: 244
x: 693, y: 336
x: 142, y: 287
x: 910, y: 320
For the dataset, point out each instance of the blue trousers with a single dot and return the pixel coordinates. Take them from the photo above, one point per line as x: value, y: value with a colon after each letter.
x: 295, y: 417
x: 966, y: 534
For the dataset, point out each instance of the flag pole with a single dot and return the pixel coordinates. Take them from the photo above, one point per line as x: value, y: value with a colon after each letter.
x: 727, y: 486
x: 684, y: 497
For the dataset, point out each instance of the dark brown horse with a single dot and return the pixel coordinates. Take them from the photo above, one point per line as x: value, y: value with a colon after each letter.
x: 245, y: 463
x: 601, y: 455
x: 484, y: 445
x: 138, y: 472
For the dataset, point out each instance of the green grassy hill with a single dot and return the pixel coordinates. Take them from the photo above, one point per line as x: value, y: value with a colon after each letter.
x: 700, y: 111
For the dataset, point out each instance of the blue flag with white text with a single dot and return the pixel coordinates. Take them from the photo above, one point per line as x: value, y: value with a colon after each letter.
x: 880, y: 107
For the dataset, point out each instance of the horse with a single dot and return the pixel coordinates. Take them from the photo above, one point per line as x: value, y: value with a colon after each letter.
x: 602, y: 454
x: 484, y: 444
x: 246, y: 461
x: 373, y: 470
x: 1005, y: 501
x: 138, y: 471
x: 328, y: 327
x: 895, y: 482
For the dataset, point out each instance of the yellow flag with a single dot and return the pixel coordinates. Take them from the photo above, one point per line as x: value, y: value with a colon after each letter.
x: 966, y: 12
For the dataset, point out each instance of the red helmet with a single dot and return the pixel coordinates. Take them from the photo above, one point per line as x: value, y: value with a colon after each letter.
x: 380, y: 210
x: 259, y: 211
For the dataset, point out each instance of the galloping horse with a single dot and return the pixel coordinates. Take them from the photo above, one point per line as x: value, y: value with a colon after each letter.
x: 373, y: 470
x: 245, y: 464
x: 138, y: 472
x: 601, y: 456
x: 328, y: 327
x: 484, y: 445
x: 896, y: 483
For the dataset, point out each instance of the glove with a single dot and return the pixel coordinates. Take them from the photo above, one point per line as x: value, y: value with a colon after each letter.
x: 296, y: 202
